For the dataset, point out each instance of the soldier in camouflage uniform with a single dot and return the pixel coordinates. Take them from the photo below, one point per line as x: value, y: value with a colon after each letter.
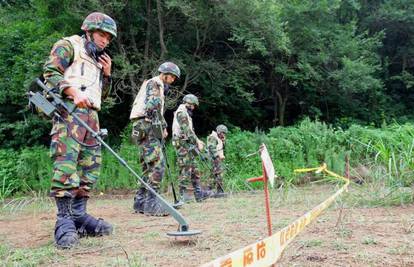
x: 149, y: 131
x: 80, y: 72
x: 215, y: 146
x: 186, y: 143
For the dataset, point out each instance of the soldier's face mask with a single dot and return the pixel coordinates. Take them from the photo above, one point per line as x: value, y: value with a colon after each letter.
x: 92, y: 49
x: 166, y: 89
x: 189, y: 110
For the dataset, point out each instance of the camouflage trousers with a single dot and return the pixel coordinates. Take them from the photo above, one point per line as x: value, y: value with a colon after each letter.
x: 151, y: 157
x: 218, y: 171
x: 188, y: 171
x: 75, y: 153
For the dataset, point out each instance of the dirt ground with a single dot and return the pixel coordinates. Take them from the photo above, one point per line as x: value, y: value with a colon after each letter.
x: 344, y: 235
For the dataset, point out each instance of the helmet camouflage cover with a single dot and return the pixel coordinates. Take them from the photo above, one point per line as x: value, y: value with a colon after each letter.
x: 222, y: 129
x: 191, y: 99
x: 169, y: 67
x: 99, y: 21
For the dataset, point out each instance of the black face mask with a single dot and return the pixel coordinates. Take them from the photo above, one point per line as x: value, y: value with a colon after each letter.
x: 189, y: 111
x: 166, y: 89
x: 93, y: 50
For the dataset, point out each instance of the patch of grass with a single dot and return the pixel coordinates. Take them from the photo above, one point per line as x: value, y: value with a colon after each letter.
x: 343, y: 232
x: 36, y: 203
x: 369, y: 241
x: 151, y: 235
x: 340, y: 246
x: 312, y: 243
x: 134, y: 259
x: 28, y: 257
x: 365, y: 257
x: 403, y: 249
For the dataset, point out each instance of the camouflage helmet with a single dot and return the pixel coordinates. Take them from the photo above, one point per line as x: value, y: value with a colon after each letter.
x: 169, y: 67
x: 222, y: 129
x: 191, y: 99
x: 99, y: 21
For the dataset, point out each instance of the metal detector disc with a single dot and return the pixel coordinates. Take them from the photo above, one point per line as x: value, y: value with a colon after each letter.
x: 184, y: 233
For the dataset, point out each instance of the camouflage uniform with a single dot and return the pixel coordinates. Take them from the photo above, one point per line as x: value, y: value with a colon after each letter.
x: 149, y: 125
x: 76, y: 167
x: 151, y: 156
x: 215, y: 147
x: 185, y: 142
x: 75, y: 152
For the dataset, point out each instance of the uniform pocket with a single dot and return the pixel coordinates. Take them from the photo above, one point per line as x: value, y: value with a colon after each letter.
x: 57, y: 145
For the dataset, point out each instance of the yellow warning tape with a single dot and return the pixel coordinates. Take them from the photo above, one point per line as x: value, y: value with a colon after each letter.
x: 267, y: 251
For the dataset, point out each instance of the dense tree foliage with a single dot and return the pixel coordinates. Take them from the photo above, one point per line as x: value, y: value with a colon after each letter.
x: 253, y: 63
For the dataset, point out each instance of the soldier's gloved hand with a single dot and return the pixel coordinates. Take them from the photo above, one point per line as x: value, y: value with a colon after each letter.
x: 165, y: 133
x: 200, y: 145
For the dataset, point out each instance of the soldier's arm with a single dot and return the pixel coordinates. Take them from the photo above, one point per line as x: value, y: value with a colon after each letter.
x: 153, y: 101
x: 60, y: 58
x: 212, y: 146
x: 185, y: 128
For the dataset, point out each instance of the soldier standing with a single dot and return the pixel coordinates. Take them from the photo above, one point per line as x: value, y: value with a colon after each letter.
x: 80, y: 70
x: 149, y: 129
x: 215, y: 146
x: 186, y: 143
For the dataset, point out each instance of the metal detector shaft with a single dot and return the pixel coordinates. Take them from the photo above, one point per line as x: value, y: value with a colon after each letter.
x: 177, y: 216
x: 164, y: 150
x: 206, y: 164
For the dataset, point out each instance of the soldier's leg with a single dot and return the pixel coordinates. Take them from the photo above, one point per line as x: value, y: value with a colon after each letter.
x: 155, y: 163
x: 184, y: 177
x: 218, y: 171
x: 199, y: 193
x: 65, y: 231
x: 89, y: 169
x: 140, y: 131
x: 64, y: 151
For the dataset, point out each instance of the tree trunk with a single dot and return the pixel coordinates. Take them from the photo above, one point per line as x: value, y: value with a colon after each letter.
x: 273, y: 89
x: 147, y: 40
x: 161, y: 30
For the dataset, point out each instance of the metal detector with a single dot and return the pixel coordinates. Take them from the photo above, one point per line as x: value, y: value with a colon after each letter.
x: 205, y: 162
x: 51, y: 107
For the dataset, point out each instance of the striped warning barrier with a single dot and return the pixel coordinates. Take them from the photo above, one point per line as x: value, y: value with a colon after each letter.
x: 268, y: 250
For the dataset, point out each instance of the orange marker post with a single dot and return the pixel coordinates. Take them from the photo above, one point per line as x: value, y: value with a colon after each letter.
x: 268, y: 177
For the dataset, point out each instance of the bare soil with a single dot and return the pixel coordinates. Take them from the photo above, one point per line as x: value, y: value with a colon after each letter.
x: 342, y: 236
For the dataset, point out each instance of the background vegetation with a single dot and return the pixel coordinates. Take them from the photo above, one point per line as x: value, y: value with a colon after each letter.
x: 256, y: 65
x: 274, y: 62
x: 379, y: 157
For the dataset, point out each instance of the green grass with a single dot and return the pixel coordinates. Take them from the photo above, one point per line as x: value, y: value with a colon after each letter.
x: 28, y: 256
x: 384, y: 153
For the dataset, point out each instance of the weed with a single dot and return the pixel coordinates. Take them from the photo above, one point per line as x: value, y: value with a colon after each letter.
x: 369, y: 241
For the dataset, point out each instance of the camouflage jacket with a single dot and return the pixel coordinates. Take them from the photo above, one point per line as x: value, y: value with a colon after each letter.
x: 183, y: 126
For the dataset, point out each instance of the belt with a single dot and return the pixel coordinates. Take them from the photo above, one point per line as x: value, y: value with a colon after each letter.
x: 138, y: 118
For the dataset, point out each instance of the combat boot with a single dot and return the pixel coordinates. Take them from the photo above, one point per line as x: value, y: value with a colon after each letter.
x: 87, y: 225
x: 183, y: 198
x: 201, y: 194
x: 139, y: 200
x: 219, y: 193
x: 153, y: 206
x: 65, y: 230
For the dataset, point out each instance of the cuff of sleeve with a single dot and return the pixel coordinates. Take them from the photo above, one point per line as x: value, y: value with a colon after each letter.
x: 62, y: 86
